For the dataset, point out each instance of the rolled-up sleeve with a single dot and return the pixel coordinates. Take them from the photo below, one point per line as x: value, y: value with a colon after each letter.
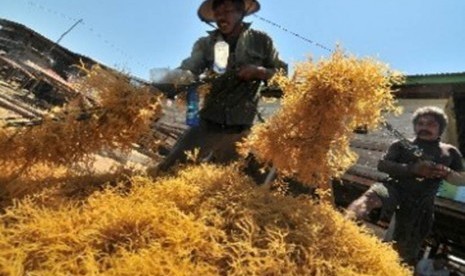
x: 197, y: 61
x: 457, y: 157
x: 273, y: 61
x: 390, y: 164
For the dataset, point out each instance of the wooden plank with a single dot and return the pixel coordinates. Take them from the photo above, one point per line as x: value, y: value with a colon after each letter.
x: 17, y: 109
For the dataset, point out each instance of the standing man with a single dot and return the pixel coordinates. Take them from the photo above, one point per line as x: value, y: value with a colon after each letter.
x: 244, y: 58
x: 413, y: 182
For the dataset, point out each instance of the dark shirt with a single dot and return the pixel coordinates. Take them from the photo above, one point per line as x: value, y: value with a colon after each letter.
x: 232, y: 101
x: 398, y: 161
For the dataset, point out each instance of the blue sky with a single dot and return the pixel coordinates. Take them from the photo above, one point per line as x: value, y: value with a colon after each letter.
x: 412, y: 36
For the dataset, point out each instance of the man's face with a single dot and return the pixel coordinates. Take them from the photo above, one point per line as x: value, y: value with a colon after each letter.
x: 427, y: 128
x: 227, y: 16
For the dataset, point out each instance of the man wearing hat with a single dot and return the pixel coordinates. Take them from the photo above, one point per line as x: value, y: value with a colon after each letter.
x: 243, y: 58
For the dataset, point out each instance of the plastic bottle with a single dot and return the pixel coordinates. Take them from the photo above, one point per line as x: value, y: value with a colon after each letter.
x: 221, y: 56
x: 192, y: 112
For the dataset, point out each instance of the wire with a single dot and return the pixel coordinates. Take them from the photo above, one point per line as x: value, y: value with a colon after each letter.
x: 294, y: 33
x: 101, y: 37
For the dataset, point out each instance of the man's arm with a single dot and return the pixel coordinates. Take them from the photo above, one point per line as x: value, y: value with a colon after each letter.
x: 420, y: 168
x: 456, y: 178
x: 271, y: 63
x: 254, y: 72
x: 190, y: 67
x: 390, y: 165
x: 196, y: 62
x: 456, y: 175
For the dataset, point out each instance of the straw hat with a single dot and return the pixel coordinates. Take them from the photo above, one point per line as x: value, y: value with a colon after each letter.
x: 205, y: 11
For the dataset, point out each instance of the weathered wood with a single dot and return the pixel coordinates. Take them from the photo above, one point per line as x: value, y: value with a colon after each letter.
x: 34, y: 111
x: 17, y: 109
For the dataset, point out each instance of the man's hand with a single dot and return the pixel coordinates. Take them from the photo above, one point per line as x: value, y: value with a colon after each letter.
x: 456, y: 178
x: 428, y: 169
x: 253, y: 72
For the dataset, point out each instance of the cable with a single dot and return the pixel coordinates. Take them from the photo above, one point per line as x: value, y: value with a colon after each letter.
x: 90, y: 29
x: 294, y: 33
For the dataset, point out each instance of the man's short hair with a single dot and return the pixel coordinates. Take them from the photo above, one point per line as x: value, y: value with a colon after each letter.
x: 239, y: 4
x: 436, y: 112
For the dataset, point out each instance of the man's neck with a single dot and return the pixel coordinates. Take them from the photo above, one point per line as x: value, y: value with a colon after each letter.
x: 420, y: 140
x: 232, y: 36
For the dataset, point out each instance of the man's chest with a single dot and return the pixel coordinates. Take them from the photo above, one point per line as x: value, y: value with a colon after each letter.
x: 435, y: 153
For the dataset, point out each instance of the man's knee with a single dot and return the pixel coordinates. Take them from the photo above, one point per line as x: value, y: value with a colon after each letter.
x: 362, y: 206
